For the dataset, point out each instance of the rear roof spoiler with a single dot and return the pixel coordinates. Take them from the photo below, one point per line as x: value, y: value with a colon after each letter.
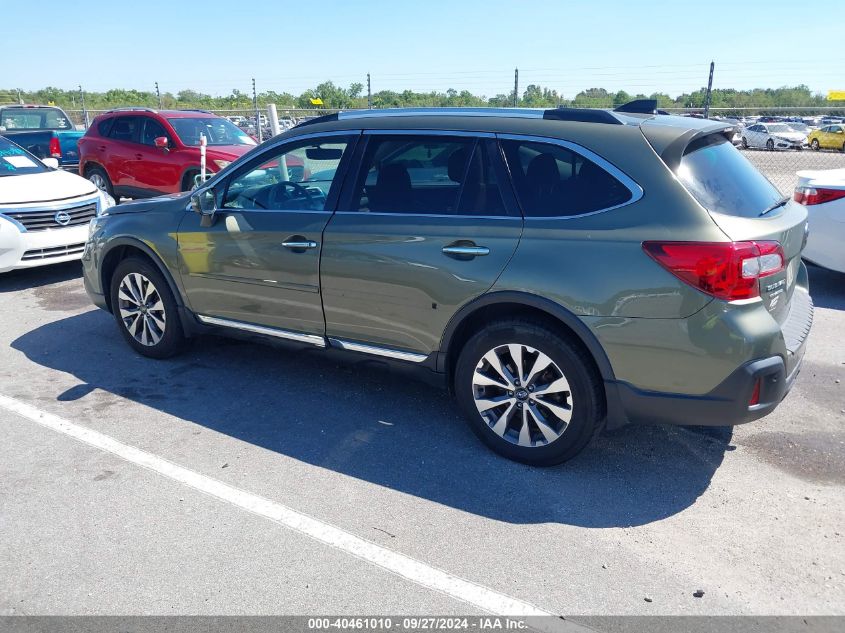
x: 640, y: 106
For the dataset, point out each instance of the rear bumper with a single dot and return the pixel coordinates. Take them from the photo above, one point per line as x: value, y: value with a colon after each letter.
x: 728, y: 403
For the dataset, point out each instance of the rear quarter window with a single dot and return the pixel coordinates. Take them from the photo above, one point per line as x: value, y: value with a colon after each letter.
x: 723, y: 181
x: 104, y: 127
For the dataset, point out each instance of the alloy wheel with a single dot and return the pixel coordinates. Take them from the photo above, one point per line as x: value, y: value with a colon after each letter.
x: 99, y: 181
x: 141, y: 309
x: 522, y: 395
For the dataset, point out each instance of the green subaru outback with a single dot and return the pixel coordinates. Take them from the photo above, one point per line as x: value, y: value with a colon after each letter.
x: 563, y: 270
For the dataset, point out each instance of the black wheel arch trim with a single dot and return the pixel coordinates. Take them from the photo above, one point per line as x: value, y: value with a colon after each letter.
x: 616, y: 416
x: 533, y: 301
x: 149, y: 252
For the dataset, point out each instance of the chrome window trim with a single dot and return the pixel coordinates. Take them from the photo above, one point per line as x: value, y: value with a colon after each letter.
x: 513, y: 113
x: 377, y: 351
x: 429, y: 215
x: 313, y: 339
x: 629, y: 183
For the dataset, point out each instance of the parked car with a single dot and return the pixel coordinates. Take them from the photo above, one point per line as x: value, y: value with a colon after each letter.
x: 772, y: 136
x: 139, y: 152
x: 828, y: 137
x: 823, y: 193
x: 800, y: 127
x: 44, y: 131
x: 559, y: 269
x: 44, y: 211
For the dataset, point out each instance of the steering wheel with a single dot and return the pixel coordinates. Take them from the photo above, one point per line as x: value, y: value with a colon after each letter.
x: 278, y: 197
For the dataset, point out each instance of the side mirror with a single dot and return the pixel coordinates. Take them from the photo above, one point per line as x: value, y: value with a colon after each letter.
x: 52, y: 163
x: 204, y: 203
x: 161, y: 142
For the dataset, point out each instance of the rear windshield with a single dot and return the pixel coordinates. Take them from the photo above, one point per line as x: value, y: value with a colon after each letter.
x: 34, y: 119
x: 15, y: 161
x: 724, y: 181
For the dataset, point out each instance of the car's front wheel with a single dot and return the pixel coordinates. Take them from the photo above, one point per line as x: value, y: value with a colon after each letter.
x: 815, y: 144
x: 145, y: 309
x: 529, y: 393
x: 744, y: 143
x: 770, y: 145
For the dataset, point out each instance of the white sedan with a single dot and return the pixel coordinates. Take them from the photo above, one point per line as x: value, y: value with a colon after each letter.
x: 823, y: 193
x: 44, y: 211
x: 772, y: 136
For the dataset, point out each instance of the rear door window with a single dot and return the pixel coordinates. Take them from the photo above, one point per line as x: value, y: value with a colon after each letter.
x: 723, y: 181
x: 554, y: 181
x: 125, y: 128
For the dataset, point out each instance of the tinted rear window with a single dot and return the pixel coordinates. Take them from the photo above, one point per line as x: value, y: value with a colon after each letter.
x: 722, y: 180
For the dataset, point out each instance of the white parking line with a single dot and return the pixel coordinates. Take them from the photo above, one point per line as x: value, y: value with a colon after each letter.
x: 405, y: 566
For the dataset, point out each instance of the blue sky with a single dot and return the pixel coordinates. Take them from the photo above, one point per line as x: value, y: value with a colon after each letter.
x: 214, y: 46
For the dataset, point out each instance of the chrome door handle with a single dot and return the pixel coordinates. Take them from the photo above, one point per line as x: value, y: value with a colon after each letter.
x: 300, y: 245
x: 466, y: 251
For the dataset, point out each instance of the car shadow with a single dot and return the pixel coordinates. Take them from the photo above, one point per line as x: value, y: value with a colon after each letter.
x: 24, y: 278
x: 827, y: 287
x: 378, y: 426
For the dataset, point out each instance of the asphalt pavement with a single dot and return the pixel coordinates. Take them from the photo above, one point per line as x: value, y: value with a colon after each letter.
x: 245, y: 479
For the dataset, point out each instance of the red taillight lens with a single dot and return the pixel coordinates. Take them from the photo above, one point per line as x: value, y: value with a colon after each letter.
x: 755, y: 395
x: 816, y: 195
x: 725, y: 270
x: 55, y: 148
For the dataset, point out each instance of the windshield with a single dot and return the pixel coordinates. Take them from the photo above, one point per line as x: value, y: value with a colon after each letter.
x: 15, y: 161
x: 218, y: 131
x: 780, y: 127
x: 723, y: 181
x: 34, y: 119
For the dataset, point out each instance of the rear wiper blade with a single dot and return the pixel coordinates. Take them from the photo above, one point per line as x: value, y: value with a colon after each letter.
x: 776, y: 205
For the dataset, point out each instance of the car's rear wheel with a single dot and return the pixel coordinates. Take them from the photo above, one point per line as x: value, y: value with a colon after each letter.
x: 843, y: 147
x: 770, y: 145
x: 744, y: 143
x: 100, y: 178
x: 529, y: 393
x: 815, y: 144
x: 145, y: 309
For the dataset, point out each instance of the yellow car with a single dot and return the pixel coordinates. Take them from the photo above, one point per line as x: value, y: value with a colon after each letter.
x: 828, y: 137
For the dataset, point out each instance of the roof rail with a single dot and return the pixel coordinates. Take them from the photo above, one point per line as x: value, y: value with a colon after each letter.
x: 131, y: 109
x: 586, y: 115
x: 194, y: 110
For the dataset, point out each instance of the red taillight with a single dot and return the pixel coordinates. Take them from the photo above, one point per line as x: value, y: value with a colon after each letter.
x: 817, y: 195
x: 725, y: 270
x: 55, y: 148
x: 755, y: 395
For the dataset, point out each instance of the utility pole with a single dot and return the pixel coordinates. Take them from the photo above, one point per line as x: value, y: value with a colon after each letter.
x: 369, y: 94
x: 515, y: 86
x: 257, y: 113
x: 20, y: 101
x: 707, y: 95
x: 84, y: 111
x: 158, y: 94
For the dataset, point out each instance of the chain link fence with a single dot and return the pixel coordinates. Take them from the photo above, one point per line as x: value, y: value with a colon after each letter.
x: 780, y: 165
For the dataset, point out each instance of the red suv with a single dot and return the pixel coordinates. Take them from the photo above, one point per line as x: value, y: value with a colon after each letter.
x: 138, y: 152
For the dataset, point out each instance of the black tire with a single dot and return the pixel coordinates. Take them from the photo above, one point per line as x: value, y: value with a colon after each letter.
x: 843, y: 148
x: 744, y: 143
x: 815, y: 144
x: 188, y: 180
x: 770, y: 145
x: 105, y: 181
x: 586, y: 400
x: 171, y: 339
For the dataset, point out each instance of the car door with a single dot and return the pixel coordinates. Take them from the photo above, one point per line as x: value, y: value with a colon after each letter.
x: 157, y: 169
x: 121, y: 153
x: 426, y: 224
x: 257, y: 267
